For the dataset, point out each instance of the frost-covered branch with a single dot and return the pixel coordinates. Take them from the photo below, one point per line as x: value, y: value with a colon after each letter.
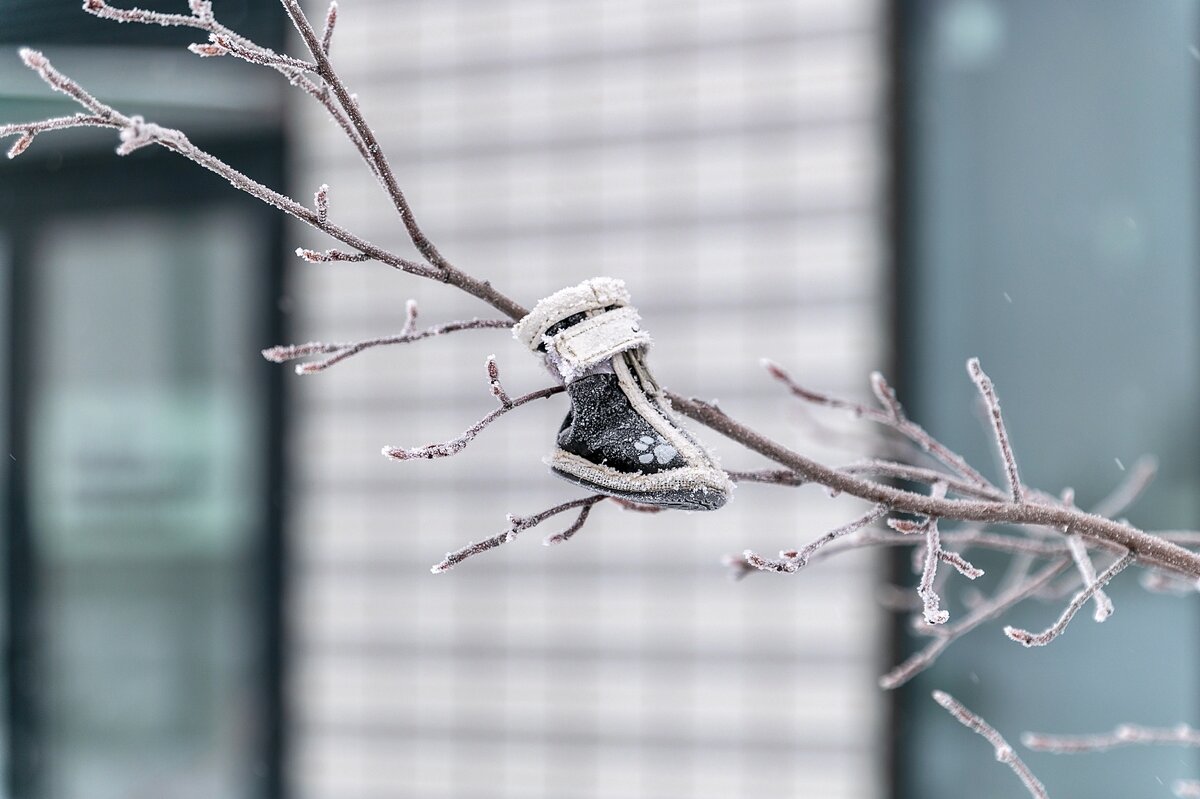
x: 1123, y: 735
x: 1039, y: 520
x: 1027, y: 638
x: 135, y: 133
x: 1087, y: 573
x: 988, y: 392
x: 792, y: 561
x: 331, y: 16
x: 1004, y: 752
x: 984, y: 612
x: 934, y: 554
x: 781, y: 477
x: 876, y: 467
x: 454, y: 446
x: 893, y: 418
x: 519, y: 524
x: 339, y: 352
x: 1149, y: 549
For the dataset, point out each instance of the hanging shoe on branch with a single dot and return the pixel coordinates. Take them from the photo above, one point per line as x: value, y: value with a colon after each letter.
x: 620, y: 437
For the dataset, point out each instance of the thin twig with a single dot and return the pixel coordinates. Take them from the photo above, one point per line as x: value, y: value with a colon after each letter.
x: 446, y: 449
x: 221, y: 45
x: 565, y: 535
x: 781, y: 477
x: 321, y: 204
x: 446, y: 271
x: 930, y: 601
x: 1004, y: 753
x: 516, y: 526
x: 136, y: 133
x: 893, y: 418
x: 792, y: 561
x: 495, y: 385
x: 29, y: 130
x: 992, y: 402
x: 1027, y: 638
x: 330, y: 21
x: 918, y: 474
x: 330, y: 256
x: 934, y: 554
x: 343, y: 350
x: 202, y: 19
x: 1087, y: 572
x: 986, y: 611
x: 1123, y: 735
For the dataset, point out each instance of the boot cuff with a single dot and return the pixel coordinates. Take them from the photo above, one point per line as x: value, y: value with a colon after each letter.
x: 590, y: 295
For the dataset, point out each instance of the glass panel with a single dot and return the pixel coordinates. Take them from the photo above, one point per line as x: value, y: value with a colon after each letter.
x: 62, y: 21
x: 146, y: 493
x: 6, y: 463
x: 1054, y: 205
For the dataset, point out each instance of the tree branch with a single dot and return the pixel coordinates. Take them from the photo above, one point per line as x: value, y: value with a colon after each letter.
x: 792, y: 561
x: 992, y: 402
x: 1027, y: 638
x: 1149, y: 549
x: 985, y: 611
x: 447, y: 272
x: 1004, y: 753
x: 893, y: 418
x: 454, y: 446
x: 519, y: 524
x: 341, y: 351
x: 1123, y: 735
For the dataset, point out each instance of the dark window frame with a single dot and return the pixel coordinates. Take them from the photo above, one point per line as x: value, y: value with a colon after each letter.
x: 51, y: 183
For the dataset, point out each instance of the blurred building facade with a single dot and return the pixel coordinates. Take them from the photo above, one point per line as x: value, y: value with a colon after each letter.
x: 215, y: 586
x: 724, y: 159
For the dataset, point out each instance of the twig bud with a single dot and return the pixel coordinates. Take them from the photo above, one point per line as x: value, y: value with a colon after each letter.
x: 20, y: 145
x: 207, y: 49
x: 321, y: 201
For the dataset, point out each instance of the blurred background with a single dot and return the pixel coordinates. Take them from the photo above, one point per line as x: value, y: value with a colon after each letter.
x: 214, y: 586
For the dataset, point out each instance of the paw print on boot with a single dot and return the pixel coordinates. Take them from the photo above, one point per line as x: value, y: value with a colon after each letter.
x: 654, y: 449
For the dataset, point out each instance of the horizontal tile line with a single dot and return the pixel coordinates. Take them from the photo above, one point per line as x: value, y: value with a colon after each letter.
x: 655, y: 49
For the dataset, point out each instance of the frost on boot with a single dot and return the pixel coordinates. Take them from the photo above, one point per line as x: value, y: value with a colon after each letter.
x: 620, y: 437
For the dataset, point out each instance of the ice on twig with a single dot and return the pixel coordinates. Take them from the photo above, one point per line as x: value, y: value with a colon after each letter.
x: 453, y: 446
x: 517, y: 525
x: 1004, y: 752
x: 1026, y: 638
x: 321, y: 203
x: 20, y: 145
x: 317, y: 257
x: 988, y: 392
x: 339, y: 352
x: 1122, y: 735
x: 792, y: 561
x: 330, y: 21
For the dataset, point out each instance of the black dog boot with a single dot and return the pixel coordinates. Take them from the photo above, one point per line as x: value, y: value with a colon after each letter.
x: 620, y: 437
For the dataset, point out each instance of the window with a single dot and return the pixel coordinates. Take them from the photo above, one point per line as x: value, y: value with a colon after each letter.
x: 1050, y: 199
x: 145, y: 633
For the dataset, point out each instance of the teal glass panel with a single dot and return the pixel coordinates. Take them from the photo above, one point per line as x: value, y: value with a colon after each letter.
x: 146, y: 490
x: 1053, y: 204
x: 6, y: 463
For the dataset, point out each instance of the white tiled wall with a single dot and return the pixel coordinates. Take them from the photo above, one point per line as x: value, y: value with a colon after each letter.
x: 723, y: 158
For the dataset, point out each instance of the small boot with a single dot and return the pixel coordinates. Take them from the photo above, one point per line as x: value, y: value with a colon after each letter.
x: 620, y: 437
